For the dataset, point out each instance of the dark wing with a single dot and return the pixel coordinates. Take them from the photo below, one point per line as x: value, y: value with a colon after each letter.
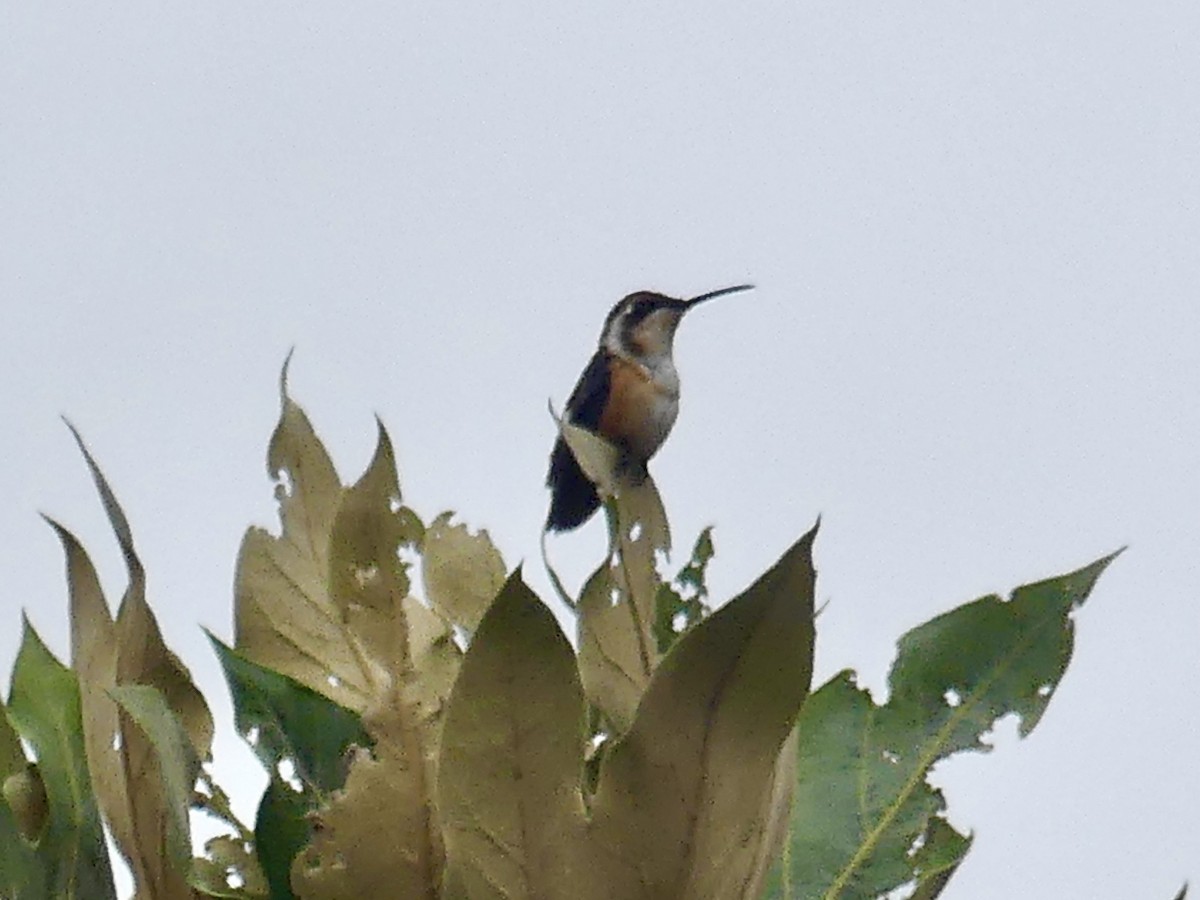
x: 573, y: 497
x: 586, y: 403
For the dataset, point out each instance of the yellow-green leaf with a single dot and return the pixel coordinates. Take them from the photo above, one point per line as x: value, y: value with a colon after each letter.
x: 162, y: 770
x: 124, y: 761
x: 681, y: 798
x: 435, y: 663
x: 284, y: 616
x: 367, y: 580
x: 613, y: 663
x: 508, y: 783
x: 143, y: 658
x: 376, y: 836
x: 350, y: 853
x: 25, y: 793
x: 94, y: 658
x: 226, y: 863
x: 775, y: 818
x: 321, y: 603
x: 618, y: 649
x: 603, y: 463
x: 462, y: 571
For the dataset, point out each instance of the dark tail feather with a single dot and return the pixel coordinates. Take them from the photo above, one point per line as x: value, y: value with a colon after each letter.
x: 573, y: 497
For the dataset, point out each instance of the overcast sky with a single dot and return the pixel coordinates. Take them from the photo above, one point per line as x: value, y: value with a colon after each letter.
x: 974, y: 349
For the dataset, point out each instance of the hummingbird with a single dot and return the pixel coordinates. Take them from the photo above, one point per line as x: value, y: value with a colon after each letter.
x: 628, y: 394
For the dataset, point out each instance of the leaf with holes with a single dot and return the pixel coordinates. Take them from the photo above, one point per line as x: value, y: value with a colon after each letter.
x: 320, y: 602
x: 229, y: 869
x: 462, y: 571
x: 618, y: 650
x: 865, y: 819
x: 379, y: 835
x: 368, y: 582
x: 413, y: 648
x: 681, y: 809
x: 284, y: 616
x: 680, y: 604
x: 602, y: 463
x: 302, y: 739
x: 613, y: 664
x: 285, y: 720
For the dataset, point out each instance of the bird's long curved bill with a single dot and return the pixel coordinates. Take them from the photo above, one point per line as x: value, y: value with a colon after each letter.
x: 736, y: 289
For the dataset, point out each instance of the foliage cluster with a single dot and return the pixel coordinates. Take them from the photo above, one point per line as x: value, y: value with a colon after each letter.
x: 429, y: 731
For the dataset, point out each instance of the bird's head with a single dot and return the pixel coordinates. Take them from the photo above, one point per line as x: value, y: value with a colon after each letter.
x: 643, y: 324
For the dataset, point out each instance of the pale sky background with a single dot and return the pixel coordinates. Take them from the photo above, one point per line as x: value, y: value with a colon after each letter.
x: 975, y: 346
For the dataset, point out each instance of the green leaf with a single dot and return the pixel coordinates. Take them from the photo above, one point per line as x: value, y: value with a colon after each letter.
x: 12, y: 757
x: 290, y: 721
x: 939, y: 858
x: 44, y: 707
x: 281, y: 829
x: 19, y: 874
x: 863, y: 805
x: 680, y: 604
x: 683, y: 804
